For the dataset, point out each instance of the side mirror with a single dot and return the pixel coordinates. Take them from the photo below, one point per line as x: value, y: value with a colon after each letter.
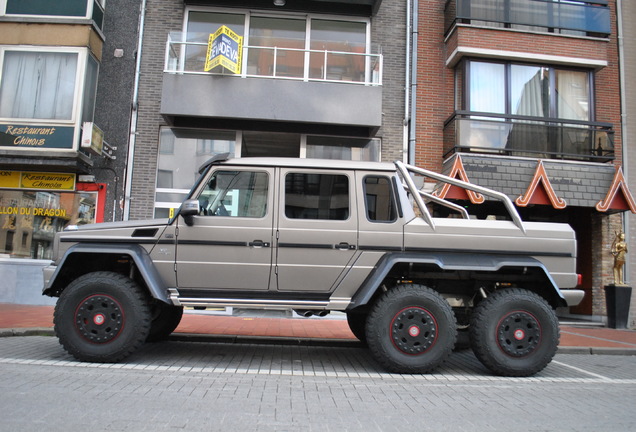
x: 189, y: 208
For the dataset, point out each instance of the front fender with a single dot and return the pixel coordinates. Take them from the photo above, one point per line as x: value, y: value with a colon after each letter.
x: 139, y: 255
x: 448, y: 261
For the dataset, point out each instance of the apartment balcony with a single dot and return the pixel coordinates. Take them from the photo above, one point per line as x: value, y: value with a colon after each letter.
x: 331, y: 88
x: 529, y: 136
x: 577, y: 17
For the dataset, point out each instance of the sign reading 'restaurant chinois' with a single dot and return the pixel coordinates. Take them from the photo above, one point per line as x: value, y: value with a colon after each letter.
x: 36, y: 136
x: 37, y: 180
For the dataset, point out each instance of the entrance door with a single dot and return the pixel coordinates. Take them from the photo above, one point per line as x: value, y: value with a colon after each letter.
x: 317, y: 229
x: 228, y: 245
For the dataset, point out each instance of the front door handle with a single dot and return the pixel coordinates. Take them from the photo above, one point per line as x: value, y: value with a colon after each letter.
x: 258, y: 244
x: 345, y: 246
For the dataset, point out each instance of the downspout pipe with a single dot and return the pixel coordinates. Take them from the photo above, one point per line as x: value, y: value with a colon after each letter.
x: 132, y: 139
x: 624, y: 123
x: 407, y: 86
x: 413, y: 81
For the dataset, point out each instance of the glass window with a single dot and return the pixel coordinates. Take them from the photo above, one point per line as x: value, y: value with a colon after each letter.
x: 181, y: 153
x: 534, y: 91
x: 341, y: 46
x: 38, y: 85
x: 378, y: 199
x: 30, y: 219
x: 346, y: 148
x: 287, y: 34
x: 200, y: 25
x: 572, y: 95
x: 76, y: 8
x: 344, y: 38
x: 90, y: 89
x: 529, y: 91
x: 316, y: 196
x: 235, y: 194
x: 487, y: 87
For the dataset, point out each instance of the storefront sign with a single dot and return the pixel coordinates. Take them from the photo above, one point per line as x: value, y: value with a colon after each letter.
x: 35, y: 180
x: 92, y: 138
x: 36, y: 136
x: 225, y: 49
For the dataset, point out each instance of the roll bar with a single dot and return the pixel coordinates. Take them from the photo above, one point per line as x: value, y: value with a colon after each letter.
x: 406, y: 170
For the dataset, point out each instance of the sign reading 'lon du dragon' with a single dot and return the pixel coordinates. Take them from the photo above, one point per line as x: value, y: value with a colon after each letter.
x: 225, y: 49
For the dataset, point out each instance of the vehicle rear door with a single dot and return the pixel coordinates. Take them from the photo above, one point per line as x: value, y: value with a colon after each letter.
x: 317, y: 231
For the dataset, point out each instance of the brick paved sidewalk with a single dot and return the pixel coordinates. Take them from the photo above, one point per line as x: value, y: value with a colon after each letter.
x: 17, y: 317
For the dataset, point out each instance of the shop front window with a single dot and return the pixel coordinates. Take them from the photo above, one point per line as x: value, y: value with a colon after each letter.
x: 30, y: 219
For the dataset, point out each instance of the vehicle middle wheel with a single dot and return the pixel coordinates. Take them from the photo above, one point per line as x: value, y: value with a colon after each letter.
x: 411, y: 329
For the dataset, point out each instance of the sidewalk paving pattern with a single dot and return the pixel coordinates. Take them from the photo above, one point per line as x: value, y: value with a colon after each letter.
x: 22, y: 319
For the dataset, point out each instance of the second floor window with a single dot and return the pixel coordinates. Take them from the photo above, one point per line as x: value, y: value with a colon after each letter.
x: 528, y: 90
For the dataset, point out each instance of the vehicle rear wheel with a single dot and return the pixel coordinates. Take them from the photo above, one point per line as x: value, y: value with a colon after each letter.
x: 411, y: 329
x: 514, y: 332
x: 102, y: 317
x: 165, y: 319
x: 357, y: 324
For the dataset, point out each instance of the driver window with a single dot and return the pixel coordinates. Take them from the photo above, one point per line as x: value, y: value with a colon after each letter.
x: 235, y: 194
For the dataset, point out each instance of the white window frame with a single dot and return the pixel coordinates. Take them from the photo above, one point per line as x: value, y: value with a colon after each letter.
x: 78, y: 93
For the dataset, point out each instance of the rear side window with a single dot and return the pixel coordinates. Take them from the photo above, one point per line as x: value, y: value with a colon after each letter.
x: 317, y: 196
x: 378, y: 199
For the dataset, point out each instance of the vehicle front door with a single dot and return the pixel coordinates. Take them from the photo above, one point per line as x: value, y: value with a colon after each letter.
x: 228, y: 245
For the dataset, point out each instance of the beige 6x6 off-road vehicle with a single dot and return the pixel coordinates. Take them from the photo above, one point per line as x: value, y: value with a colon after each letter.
x: 318, y: 236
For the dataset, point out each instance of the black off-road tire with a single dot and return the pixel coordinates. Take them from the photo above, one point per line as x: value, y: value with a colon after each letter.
x: 514, y: 332
x: 102, y: 317
x: 411, y: 329
x: 358, y: 325
x: 165, y: 319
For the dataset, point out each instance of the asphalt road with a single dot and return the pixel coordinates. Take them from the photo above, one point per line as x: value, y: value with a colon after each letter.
x: 215, y: 386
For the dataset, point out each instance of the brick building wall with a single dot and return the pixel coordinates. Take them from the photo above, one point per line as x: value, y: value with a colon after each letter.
x: 388, y: 30
x: 162, y: 16
x: 629, y: 64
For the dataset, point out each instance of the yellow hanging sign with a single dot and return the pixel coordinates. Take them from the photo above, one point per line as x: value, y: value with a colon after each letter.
x: 225, y: 49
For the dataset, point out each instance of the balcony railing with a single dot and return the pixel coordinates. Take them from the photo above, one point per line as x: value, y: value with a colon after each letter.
x: 186, y: 54
x: 529, y: 136
x: 590, y: 17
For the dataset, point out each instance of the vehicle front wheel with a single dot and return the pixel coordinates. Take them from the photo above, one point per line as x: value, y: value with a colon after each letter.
x: 514, y: 332
x: 102, y: 317
x: 411, y: 329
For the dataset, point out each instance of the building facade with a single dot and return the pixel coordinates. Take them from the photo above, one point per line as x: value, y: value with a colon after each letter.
x: 627, y: 47
x: 65, y: 104
x: 316, y: 79
x: 527, y: 101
